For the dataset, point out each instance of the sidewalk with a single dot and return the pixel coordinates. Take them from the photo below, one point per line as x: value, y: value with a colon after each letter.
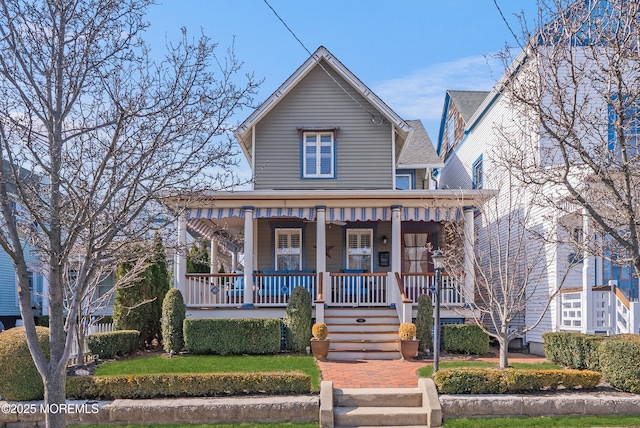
x: 393, y: 373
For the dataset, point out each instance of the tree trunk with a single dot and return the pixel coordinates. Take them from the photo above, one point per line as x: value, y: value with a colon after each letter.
x: 54, y: 396
x: 504, y: 353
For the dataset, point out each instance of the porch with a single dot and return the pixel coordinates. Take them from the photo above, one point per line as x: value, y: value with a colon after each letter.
x: 358, y: 249
x: 604, y: 310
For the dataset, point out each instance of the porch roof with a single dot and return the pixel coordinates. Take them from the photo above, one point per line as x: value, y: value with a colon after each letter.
x: 204, y: 212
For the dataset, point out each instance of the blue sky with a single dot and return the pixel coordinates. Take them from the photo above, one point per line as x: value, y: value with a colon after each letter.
x: 407, y: 51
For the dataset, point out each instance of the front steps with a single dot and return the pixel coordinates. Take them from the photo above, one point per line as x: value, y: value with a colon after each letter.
x: 362, y: 333
x: 379, y: 407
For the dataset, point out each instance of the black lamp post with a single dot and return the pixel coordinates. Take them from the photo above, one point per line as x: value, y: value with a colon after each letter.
x: 438, y: 264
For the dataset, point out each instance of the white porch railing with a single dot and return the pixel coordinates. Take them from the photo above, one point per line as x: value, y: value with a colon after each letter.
x: 93, y: 328
x: 342, y: 289
x: 354, y: 289
x: 416, y: 284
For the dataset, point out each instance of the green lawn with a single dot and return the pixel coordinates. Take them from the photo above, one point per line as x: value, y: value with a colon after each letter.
x: 214, y: 364
x: 545, y: 422
x: 427, y: 371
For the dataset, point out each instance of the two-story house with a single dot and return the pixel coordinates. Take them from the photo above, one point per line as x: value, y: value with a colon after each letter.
x: 591, y: 290
x: 341, y: 204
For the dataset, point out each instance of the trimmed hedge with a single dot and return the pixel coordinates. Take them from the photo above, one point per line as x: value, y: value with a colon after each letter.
x: 465, y: 338
x: 620, y: 361
x: 19, y: 378
x: 494, y: 381
x: 232, y: 336
x: 110, y: 344
x: 575, y: 350
x: 187, y: 385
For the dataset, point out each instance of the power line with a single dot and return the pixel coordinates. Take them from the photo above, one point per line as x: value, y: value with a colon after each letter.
x: 321, y: 66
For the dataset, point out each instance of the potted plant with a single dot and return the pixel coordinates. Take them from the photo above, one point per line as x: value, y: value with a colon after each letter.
x: 408, y: 342
x: 319, y: 342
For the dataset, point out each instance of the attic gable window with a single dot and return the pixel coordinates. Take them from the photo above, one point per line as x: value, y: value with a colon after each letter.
x: 318, y: 154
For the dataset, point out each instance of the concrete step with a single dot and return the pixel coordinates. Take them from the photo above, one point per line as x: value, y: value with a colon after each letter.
x: 363, y: 354
x: 374, y: 345
x: 377, y: 397
x: 363, y: 334
x: 379, y: 416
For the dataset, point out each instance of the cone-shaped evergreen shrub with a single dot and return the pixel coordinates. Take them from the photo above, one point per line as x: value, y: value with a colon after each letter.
x: 424, y: 322
x: 173, y: 314
x: 297, y: 320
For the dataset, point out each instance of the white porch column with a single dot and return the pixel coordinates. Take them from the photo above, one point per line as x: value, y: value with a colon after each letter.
x: 396, y: 244
x: 180, y: 278
x: 469, y: 265
x: 214, y: 266
x: 234, y: 260
x: 587, y: 276
x: 248, y: 257
x: 321, y: 239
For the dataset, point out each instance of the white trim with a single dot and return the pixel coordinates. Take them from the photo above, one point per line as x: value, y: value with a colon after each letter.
x: 253, y: 157
x: 393, y: 156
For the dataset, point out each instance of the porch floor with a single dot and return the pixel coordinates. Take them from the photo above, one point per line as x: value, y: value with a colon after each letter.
x: 394, y: 373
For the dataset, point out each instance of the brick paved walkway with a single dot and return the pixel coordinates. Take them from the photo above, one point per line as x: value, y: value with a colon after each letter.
x: 390, y: 373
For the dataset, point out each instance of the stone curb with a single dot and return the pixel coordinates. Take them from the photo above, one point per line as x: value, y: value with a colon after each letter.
x: 191, y: 410
x: 503, y: 405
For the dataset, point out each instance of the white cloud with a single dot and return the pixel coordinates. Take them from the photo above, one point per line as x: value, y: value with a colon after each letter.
x: 420, y: 95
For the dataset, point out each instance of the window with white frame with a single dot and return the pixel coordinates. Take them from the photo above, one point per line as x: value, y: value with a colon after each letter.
x: 288, y: 249
x: 404, y: 182
x: 359, y: 249
x: 319, y: 154
x: 624, y: 133
x: 451, y: 133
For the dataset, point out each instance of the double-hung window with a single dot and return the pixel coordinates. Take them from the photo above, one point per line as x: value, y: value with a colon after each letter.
x: 288, y: 249
x: 318, y: 154
x: 359, y: 249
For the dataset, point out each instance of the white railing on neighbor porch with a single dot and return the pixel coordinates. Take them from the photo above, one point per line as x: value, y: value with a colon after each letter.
x: 611, y: 311
x: 416, y: 284
x: 93, y: 328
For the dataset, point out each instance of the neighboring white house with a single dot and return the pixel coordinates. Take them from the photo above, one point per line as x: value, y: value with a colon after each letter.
x: 478, y: 133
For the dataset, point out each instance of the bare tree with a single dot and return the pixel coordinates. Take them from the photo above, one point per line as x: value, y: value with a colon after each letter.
x: 101, y: 130
x: 511, y: 263
x: 576, y: 85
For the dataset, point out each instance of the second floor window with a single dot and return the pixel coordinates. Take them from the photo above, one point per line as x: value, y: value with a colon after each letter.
x: 627, y: 129
x: 318, y: 155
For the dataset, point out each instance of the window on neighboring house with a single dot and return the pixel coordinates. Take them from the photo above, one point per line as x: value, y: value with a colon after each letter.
x: 359, y: 249
x: 32, y: 277
x: 105, y: 287
x: 288, y: 249
x: 477, y: 174
x: 319, y: 154
x: 630, y: 128
x: 404, y: 182
x: 451, y: 132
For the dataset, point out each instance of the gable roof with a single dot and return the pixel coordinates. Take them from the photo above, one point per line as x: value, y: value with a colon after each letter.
x: 418, y: 150
x: 467, y: 102
x: 243, y: 132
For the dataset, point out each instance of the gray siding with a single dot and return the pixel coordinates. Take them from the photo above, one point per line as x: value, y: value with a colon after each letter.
x: 363, y: 150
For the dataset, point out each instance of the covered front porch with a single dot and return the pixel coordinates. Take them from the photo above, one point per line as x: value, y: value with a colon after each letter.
x: 349, y: 249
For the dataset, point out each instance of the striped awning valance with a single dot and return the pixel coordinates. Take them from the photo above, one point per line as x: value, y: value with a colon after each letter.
x: 335, y: 214
x: 304, y: 213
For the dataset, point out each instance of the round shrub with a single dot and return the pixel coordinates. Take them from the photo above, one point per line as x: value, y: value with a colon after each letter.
x: 173, y: 315
x: 297, y: 320
x: 620, y: 361
x: 424, y: 322
x: 19, y: 378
